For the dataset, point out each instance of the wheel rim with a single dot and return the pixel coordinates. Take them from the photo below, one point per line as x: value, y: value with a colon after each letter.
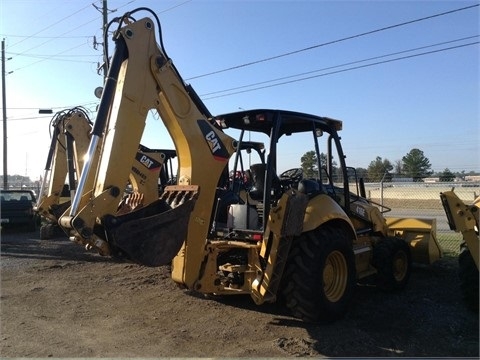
x: 335, y: 275
x: 400, y: 265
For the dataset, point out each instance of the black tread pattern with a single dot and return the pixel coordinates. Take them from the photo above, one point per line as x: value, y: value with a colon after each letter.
x: 383, y: 257
x: 302, y: 287
x: 468, y: 277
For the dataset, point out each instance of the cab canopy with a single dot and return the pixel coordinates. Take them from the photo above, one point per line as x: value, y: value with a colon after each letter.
x: 287, y: 122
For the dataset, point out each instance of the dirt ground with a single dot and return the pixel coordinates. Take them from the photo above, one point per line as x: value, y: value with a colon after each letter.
x: 58, y: 300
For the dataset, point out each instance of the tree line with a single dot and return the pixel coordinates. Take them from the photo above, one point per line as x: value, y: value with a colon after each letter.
x: 414, y: 165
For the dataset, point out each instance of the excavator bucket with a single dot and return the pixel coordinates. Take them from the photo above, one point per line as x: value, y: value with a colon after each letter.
x: 153, y: 235
x: 56, y: 210
x: 420, y: 234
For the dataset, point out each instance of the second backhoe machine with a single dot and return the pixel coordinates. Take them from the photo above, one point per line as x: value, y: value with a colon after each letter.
x: 150, y: 171
x: 464, y: 218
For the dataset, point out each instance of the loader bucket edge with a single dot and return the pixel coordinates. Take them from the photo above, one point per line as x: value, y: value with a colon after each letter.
x: 420, y: 234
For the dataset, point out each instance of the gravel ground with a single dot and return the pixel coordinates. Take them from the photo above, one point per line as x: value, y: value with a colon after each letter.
x: 57, y: 300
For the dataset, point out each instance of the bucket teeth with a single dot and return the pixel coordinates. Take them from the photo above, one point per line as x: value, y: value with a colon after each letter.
x: 132, y: 202
x: 152, y: 235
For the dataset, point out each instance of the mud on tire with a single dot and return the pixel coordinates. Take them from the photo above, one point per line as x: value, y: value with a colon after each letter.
x: 319, y: 278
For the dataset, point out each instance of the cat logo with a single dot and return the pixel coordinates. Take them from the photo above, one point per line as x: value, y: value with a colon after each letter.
x: 213, y: 141
x: 147, y: 161
x: 218, y: 150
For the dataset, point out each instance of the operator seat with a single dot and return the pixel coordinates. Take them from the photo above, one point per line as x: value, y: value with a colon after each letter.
x: 258, y: 183
x: 247, y: 178
x: 309, y: 187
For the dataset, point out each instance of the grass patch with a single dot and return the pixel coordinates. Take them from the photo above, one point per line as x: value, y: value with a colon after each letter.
x: 450, y: 243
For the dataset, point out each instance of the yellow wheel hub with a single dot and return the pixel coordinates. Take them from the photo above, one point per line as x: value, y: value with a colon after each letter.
x: 335, y: 276
x: 400, y: 265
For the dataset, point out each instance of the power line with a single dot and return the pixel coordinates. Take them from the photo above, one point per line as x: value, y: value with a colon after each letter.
x: 43, y: 37
x: 43, y: 56
x: 55, y: 38
x: 174, y: 6
x: 49, y: 26
x: 333, y: 42
x: 339, y: 66
x: 343, y: 70
x: 23, y: 118
x: 48, y: 58
x: 61, y: 36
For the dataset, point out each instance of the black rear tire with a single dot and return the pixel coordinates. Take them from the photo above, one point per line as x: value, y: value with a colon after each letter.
x: 468, y: 277
x: 319, y: 278
x: 393, y: 261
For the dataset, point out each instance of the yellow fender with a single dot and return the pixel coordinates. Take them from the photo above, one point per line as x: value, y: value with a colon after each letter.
x: 322, y: 209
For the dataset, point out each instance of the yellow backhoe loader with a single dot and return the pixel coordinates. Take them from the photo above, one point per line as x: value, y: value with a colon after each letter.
x: 65, y: 160
x: 69, y: 137
x: 303, y: 241
x: 465, y: 219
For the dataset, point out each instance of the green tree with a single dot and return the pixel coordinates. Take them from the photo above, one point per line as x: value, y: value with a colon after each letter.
x: 309, y: 164
x: 398, y: 167
x: 416, y: 165
x: 362, y: 173
x: 447, y: 175
x: 379, y: 169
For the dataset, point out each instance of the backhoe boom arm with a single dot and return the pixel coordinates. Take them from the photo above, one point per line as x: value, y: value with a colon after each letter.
x: 141, y: 77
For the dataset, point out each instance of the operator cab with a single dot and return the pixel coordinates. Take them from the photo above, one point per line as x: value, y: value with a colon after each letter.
x: 286, y: 133
x: 239, y: 183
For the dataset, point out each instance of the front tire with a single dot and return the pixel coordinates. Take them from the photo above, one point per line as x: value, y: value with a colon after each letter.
x: 468, y: 277
x: 393, y: 261
x: 319, y: 278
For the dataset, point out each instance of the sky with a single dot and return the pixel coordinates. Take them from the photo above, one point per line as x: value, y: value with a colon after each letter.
x: 399, y: 74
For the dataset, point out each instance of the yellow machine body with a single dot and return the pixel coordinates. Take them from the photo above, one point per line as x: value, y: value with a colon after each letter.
x: 183, y: 228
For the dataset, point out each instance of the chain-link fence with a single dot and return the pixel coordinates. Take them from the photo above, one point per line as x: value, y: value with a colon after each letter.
x: 422, y: 200
x: 418, y: 200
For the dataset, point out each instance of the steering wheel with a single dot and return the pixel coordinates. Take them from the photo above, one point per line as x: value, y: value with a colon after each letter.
x: 294, y: 175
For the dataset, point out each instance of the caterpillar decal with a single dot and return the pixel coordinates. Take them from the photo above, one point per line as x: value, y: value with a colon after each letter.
x: 147, y: 161
x: 216, y: 146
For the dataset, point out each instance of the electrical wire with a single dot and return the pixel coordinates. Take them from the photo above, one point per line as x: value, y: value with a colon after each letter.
x: 55, y: 38
x: 82, y: 108
x: 338, y: 71
x: 342, y: 65
x: 333, y: 42
x: 44, y: 37
x: 48, y: 58
x: 43, y: 56
x: 50, y: 26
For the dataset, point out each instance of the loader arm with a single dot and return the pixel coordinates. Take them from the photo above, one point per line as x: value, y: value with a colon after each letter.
x: 65, y: 160
x: 142, y: 77
x: 464, y: 219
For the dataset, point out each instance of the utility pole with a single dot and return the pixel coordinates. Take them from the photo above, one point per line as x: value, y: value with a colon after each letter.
x: 105, y: 45
x: 4, y: 106
x: 105, y: 40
